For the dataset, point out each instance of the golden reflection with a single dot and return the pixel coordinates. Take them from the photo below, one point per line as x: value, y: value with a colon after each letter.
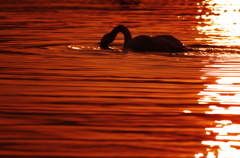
x: 222, y: 95
x: 83, y: 47
x: 219, y: 21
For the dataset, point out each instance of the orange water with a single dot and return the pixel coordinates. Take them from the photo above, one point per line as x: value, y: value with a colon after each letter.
x: 61, y: 96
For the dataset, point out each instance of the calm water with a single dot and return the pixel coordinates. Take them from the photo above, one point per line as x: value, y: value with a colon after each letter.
x: 63, y: 97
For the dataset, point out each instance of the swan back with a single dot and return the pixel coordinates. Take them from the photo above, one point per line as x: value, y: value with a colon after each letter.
x: 164, y: 43
x: 141, y: 43
x: 169, y: 43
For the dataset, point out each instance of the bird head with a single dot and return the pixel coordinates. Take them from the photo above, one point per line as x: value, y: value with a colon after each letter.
x: 106, y: 40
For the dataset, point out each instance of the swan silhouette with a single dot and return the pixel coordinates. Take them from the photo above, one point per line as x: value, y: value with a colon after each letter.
x: 143, y: 43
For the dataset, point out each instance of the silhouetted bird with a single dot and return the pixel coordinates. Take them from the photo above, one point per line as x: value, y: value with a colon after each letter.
x: 143, y: 43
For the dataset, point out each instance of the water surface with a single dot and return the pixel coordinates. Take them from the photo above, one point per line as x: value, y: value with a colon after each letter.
x: 62, y: 96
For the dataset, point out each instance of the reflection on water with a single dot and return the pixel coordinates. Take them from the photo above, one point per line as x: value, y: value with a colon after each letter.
x: 220, y: 22
x: 225, y: 89
x: 62, y: 97
x: 222, y: 79
x: 222, y: 94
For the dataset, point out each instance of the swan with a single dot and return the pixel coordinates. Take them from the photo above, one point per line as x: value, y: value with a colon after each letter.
x: 143, y: 43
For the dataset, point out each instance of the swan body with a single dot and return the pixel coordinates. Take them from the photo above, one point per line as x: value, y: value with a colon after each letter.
x: 143, y: 43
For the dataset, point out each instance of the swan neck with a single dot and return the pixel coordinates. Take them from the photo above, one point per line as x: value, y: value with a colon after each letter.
x: 124, y: 30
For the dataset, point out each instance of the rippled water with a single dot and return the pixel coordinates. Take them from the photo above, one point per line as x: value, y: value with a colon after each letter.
x: 61, y: 96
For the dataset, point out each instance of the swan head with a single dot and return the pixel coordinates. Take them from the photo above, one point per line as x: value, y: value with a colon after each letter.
x: 106, y: 40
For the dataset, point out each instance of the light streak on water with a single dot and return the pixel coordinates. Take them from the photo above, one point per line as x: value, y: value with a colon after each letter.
x: 219, y: 21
